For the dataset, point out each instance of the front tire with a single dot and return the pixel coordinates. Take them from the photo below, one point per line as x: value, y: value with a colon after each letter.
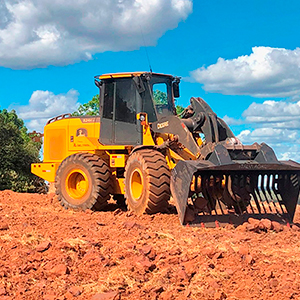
x: 83, y: 181
x: 147, y: 182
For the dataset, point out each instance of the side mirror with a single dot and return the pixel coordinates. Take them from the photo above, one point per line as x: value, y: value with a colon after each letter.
x: 176, y: 89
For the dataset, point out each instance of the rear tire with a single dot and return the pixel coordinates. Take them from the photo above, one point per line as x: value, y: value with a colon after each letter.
x: 83, y: 181
x: 147, y: 182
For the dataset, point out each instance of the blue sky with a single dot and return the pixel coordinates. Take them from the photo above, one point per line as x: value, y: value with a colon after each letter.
x: 242, y: 57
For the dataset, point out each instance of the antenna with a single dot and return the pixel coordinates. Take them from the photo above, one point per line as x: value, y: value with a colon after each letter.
x: 146, y: 50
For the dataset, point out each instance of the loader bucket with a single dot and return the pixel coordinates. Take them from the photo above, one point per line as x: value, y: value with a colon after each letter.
x: 220, y: 190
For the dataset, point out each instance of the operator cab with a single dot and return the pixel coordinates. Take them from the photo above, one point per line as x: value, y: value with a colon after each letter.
x: 124, y: 95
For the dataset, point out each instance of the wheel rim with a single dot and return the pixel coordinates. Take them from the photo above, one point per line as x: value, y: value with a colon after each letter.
x: 136, y: 184
x: 77, y: 184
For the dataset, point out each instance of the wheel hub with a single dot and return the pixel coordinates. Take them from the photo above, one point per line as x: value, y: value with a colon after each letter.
x: 136, y: 184
x: 77, y: 184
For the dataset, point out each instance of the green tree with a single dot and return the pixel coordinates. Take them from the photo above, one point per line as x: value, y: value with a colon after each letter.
x: 179, y: 109
x: 90, y: 108
x: 160, y: 97
x: 17, y: 152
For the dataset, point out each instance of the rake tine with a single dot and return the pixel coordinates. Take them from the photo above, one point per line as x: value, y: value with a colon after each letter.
x: 264, y: 201
x: 250, y: 192
x: 265, y: 190
x: 256, y: 194
x: 236, y: 201
x: 282, y: 182
x: 215, y: 195
x: 205, y: 192
x: 270, y: 191
x: 211, y: 192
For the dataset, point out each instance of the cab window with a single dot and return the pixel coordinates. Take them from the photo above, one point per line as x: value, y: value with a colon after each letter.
x: 161, y: 99
x: 125, y: 101
x: 108, y: 100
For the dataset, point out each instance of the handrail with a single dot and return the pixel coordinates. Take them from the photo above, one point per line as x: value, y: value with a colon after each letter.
x: 60, y: 117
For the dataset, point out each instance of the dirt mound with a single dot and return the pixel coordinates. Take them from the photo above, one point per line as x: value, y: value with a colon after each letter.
x: 48, y: 252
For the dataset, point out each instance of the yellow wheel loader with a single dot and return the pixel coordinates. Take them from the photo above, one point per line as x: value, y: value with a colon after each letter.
x: 140, y: 151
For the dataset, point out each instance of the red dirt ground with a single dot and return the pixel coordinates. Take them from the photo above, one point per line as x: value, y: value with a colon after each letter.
x: 47, y: 252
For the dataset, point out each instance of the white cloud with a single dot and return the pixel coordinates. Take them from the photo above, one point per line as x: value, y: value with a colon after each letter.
x: 268, y: 135
x: 266, y: 72
x: 44, y: 105
x: 231, y: 121
x: 289, y: 152
x: 284, y: 142
x: 35, y: 33
x: 276, y: 123
x: 281, y: 114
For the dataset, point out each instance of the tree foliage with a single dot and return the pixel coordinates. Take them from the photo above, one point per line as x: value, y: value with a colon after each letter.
x: 160, y: 97
x: 17, y: 152
x: 90, y: 108
x: 179, y: 109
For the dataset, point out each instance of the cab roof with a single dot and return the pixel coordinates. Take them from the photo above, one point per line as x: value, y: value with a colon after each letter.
x: 129, y: 74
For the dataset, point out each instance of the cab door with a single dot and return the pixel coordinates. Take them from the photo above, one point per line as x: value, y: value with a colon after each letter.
x: 118, y: 125
x: 107, y: 113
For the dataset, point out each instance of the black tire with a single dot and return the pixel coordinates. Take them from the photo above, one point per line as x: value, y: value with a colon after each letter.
x: 147, y: 182
x: 83, y: 181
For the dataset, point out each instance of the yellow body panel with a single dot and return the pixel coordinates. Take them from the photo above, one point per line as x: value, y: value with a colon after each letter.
x: 67, y: 136
x: 117, y: 160
x: 120, y: 186
x: 46, y: 171
x: 83, y: 134
x: 147, y: 137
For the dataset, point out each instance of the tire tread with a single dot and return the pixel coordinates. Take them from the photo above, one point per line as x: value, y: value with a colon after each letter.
x: 158, y: 183
x: 99, y: 170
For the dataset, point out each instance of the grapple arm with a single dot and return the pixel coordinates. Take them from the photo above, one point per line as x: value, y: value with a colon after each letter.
x: 231, y: 190
x: 200, y: 117
x: 229, y: 181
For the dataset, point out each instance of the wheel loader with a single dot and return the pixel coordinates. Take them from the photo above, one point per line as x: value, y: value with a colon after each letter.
x: 138, y: 150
